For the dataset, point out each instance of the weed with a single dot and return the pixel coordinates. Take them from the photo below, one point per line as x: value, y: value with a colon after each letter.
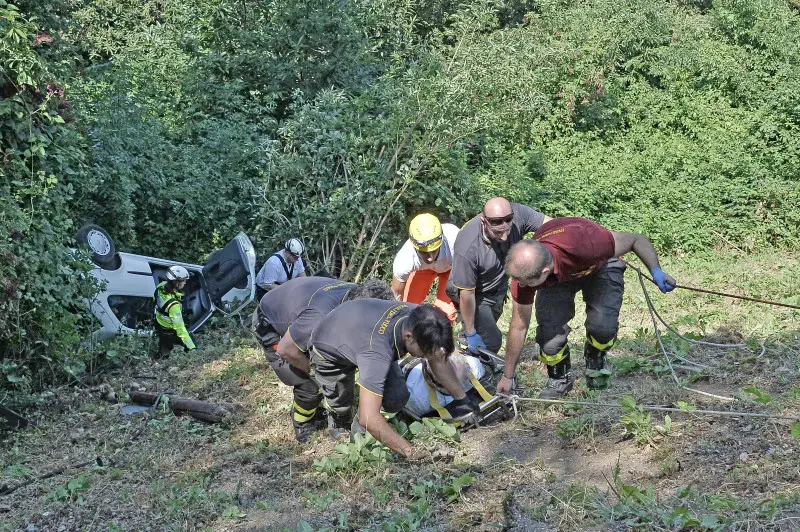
x: 637, y: 422
x: 668, y: 467
x: 19, y: 471
x: 413, y: 519
x: 73, y: 490
x: 232, y: 513
x: 759, y: 396
x: 382, y: 491
x: 320, y: 502
x: 417, y: 511
x: 340, y: 526
x: 571, y: 428
x: 625, y: 365
x: 266, y: 506
x: 454, y: 490
x: 429, y: 430
x: 355, y: 457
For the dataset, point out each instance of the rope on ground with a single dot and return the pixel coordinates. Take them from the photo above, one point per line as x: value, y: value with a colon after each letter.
x: 653, y: 314
x: 514, y: 398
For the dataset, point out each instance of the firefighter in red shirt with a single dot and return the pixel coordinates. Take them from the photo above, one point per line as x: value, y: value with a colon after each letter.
x: 568, y: 255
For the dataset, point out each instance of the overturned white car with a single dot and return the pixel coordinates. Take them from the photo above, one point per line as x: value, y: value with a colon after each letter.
x: 226, y: 283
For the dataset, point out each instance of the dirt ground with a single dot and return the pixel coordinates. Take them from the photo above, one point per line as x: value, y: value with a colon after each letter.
x: 551, y: 468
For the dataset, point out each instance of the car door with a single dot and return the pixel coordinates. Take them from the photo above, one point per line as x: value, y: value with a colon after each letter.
x: 230, y: 277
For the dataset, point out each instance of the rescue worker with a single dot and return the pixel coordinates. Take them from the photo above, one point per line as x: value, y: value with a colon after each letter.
x: 169, y: 319
x: 568, y: 255
x: 283, y: 323
x: 478, y: 283
x: 425, y: 256
x: 281, y: 266
x: 368, y: 336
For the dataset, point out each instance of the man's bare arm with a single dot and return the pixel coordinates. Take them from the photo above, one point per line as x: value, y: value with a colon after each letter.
x: 369, y: 415
x: 292, y: 354
x: 467, y: 307
x: 517, y: 330
x: 398, y: 288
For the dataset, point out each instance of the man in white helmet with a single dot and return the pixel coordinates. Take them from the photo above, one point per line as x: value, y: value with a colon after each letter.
x: 281, y: 266
x: 425, y: 256
x: 169, y: 319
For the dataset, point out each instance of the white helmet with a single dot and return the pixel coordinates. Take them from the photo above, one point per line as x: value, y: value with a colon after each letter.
x: 177, y: 273
x: 294, y: 246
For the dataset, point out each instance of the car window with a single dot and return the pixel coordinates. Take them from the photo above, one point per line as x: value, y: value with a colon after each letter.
x: 135, y: 312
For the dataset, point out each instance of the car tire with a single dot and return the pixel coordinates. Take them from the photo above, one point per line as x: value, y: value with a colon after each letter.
x: 100, y: 246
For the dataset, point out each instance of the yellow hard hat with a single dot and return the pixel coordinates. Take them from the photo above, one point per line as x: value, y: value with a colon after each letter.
x: 425, y: 232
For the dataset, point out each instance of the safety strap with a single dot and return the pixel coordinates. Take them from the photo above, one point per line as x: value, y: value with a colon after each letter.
x: 164, y: 309
x: 442, y: 411
x: 289, y: 271
x: 483, y: 392
x: 407, y: 363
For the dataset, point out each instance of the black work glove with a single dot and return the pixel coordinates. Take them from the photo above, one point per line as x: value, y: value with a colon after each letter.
x: 464, y: 407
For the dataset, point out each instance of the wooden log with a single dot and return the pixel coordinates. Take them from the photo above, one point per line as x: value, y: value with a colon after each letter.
x: 15, y: 420
x: 202, y: 410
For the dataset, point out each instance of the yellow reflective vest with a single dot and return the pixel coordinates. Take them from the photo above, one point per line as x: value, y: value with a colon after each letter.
x: 168, y: 313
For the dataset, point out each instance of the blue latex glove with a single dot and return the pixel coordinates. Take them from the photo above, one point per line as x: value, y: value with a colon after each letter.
x: 658, y: 278
x: 474, y: 341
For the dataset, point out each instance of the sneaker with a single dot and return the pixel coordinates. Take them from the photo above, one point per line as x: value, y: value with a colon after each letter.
x: 556, y: 388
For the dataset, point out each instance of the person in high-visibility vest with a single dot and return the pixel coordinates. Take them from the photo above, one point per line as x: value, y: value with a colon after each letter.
x: 169, y: 319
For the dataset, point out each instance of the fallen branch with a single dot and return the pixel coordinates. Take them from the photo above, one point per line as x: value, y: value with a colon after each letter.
x: 15, y: 420
x: 209, y: 412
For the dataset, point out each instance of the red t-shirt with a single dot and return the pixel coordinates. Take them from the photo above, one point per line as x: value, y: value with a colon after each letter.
x: 579, y: 247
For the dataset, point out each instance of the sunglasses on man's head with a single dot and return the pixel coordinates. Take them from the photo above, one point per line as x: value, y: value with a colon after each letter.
x: 495, y: 222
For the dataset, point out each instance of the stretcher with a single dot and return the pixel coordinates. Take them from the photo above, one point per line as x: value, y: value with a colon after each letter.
x: 493, y: 408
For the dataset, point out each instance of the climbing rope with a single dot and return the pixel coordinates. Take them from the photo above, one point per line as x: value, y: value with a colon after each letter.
x: 514, y: 398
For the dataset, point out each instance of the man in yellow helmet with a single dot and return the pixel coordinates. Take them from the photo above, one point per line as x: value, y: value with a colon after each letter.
x: 425, y: 256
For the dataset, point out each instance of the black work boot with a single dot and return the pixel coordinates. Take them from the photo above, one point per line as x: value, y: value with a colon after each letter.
x: 560, y: 380
x: 597, y: 374
x: 338, y: 426
x: 303, y: 430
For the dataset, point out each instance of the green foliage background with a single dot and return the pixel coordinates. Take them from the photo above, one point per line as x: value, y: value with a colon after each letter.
x: 177, y: 123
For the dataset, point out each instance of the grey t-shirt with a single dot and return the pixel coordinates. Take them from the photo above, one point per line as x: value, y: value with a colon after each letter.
x: 479, y: 264
x: 300, y: 304
x: 364, y: 334
x: 272, y: 271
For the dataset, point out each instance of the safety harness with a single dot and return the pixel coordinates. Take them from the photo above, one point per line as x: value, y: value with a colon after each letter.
x: 163, y: 305
x: 289, y: 271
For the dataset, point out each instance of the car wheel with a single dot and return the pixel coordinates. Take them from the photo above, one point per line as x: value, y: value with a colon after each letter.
x: 100, y: 245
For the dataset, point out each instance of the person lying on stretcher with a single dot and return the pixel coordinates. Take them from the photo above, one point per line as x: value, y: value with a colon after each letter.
x: 424, y: 391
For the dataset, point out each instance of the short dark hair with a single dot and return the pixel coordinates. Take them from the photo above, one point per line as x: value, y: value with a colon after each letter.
x: 372, y: 289
x: 430, y: 328
x: 528, y: 269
